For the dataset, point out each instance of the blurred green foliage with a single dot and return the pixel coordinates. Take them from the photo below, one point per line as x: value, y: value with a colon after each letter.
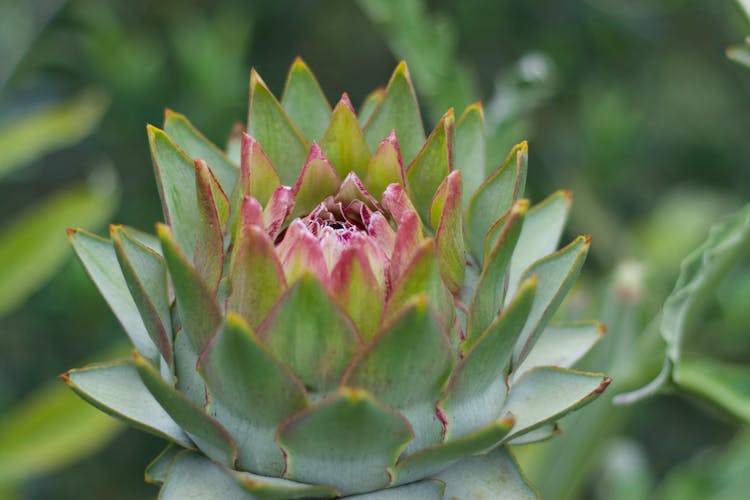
x: 632, y: 105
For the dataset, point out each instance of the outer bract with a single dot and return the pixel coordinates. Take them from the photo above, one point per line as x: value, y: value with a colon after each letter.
x: 339, y: 306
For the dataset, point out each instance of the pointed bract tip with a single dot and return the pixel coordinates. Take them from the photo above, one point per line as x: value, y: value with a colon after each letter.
x: 520, y: 207
x: 419, y: 303
x: 401, y: 67
x: 72, y: 231
x: 605, y: 383
x: 170, y: 114
x: 476, y: 106
x: 401, y: 71
x: 137, y: 357
x: 345, y: 101
x: 163, y: 231
x: 65, y: 376
x: 315, y: 153
x: 520, y: 150
x: 568, y: 194
x: 256, y: 80
x: 298, y: 63
x: 115, y: 229
x: 378, y: 92
x: 353, y: 394
x: 507, y: 421
x: 236, y: 320
x: 586, y: 239
x: 602, y: 328
x: 152, y: 130
x: 248, y: 139
x: 530, y: 282
x: 200, y: 165
x: 392, y: 139
x: 449, y: 118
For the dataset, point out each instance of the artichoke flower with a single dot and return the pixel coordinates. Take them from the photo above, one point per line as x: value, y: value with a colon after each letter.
x: 338, y: 306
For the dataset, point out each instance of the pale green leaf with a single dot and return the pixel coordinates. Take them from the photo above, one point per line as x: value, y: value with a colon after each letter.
x: 423, y: 490
x: 210, y: 437
x: 412, y: 347
x: 100, y: 262
x: 495, y: 475
x: 547, y: 393
x: 540, y: 235
x: 116, y: 389
x: 304, y: 101
x: 175, y: 176
x: 471, y: 150
x: 562, y: 345
x: 194, y: 476
x: 398, y: 110
x: 370, y: 104
x: 439, y: 457
x: 230, y: 361
x: 556, y: 274
x: 156, y: 472
x: 494, y: 197
x: 478, y: 388
x: 346, y: 440
x: 270, y: 125
x: 541, y: 433
x: 197, y: 147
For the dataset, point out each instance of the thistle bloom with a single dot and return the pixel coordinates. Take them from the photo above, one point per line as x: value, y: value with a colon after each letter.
x: 339, y: 306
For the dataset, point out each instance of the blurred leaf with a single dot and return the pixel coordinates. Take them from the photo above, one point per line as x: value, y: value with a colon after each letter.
x: 685, y: 214
x: 9, y: 493
x: 127, y: 59
x: 211, y: 51
x: 712, y: 475
x: 518, y: 91
x: 700, y: 275
x: 745, y: 6
x: 740, y: 54
x: 428, y: 44
x: 626, y: 473
x: 20, y: 23
x: 34, y: 245
x: 29, y: 137
x: 49, y: 430
x: 724, y: 384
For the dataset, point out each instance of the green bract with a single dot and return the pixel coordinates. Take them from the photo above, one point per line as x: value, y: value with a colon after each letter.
x: 355, y: 308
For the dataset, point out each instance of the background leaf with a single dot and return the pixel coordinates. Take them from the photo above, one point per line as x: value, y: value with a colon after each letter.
x: 50, y: 127
x: 33, y: 246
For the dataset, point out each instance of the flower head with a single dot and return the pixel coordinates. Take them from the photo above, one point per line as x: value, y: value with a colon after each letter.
x: 340, y: 302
